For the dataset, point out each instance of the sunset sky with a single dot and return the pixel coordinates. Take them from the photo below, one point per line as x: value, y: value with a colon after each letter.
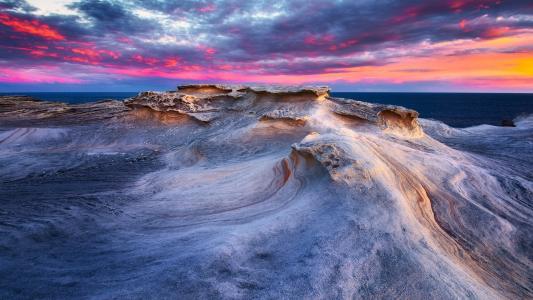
x: 101, y: 45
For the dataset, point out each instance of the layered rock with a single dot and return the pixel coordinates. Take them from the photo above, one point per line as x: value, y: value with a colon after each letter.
x: 24, y: 109
x: 206, y: 102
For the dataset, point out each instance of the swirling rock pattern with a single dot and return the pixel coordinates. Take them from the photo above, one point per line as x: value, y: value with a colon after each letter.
x: 216, y: 191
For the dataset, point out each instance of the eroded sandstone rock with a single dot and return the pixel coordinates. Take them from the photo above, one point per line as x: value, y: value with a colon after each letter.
x: 207, y: 102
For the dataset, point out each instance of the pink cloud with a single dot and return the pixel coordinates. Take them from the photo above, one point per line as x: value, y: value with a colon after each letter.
x: 33, y: 76
x: 208, y: 8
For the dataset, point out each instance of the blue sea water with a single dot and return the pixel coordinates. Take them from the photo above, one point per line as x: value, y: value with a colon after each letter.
x: 77, y: 97
x: 454, y: 109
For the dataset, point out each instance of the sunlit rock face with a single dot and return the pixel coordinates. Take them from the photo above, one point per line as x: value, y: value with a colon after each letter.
x: 215, y: 191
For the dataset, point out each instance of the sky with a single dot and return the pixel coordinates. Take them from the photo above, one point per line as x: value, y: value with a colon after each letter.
x: 386, y: 46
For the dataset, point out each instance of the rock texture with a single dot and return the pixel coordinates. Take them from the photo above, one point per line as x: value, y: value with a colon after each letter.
x: 216, y: 191
x: 207, y: 102
x: 27, y: 110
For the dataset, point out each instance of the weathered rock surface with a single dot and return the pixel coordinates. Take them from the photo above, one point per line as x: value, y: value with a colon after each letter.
x: 216, y: 191
x: 28, y: 110
x: 208, y: 102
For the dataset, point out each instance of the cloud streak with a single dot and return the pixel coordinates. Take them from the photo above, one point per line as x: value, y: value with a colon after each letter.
x: 32, y: 27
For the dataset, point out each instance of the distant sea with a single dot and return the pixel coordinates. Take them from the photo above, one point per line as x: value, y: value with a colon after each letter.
x: 454, y: 109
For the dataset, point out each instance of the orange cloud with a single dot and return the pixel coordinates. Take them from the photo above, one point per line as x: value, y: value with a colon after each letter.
x: 32, y: 27
x: 86, y: 52
x: 495, y: 32
x: 171, y: 62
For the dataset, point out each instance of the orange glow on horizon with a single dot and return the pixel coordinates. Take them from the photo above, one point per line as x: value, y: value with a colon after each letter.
x: 488, y: 70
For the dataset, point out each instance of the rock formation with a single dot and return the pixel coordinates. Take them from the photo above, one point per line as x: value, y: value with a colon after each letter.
x: 217, y: 191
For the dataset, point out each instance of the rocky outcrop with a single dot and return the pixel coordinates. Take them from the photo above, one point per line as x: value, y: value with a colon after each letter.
x: 391, y: 117
x: 29, y: 110
x: 207, y: 102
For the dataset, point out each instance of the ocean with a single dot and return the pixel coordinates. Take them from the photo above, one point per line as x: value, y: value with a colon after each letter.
x: 454, y: 109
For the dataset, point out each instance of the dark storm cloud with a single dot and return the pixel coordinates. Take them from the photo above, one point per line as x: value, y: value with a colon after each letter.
x: 16, y: 5
x: 102, y: 11
x: 311, y: 28
x: 111, y: 16
x: 352, y: 26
